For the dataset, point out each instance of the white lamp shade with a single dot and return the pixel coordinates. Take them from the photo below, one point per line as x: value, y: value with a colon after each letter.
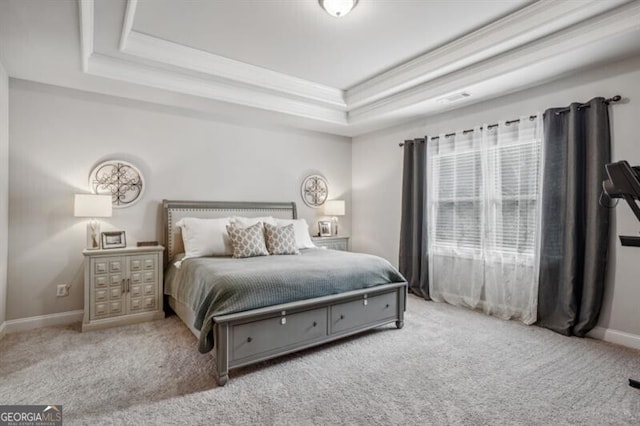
x: 334, y: 208
x: 338, y: 8
x: 90, y: 205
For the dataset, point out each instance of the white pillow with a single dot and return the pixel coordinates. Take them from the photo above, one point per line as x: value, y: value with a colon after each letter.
x: 301, y: 229
x: 205, y: 237
x: 245, y: 222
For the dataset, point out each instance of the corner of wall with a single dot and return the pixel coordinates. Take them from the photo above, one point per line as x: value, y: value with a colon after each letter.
x: 4, y: 193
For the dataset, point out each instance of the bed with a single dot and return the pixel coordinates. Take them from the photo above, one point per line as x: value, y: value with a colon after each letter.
x: 311, y: 305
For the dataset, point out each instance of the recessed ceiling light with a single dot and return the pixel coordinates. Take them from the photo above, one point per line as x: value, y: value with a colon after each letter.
x: 338, y: 8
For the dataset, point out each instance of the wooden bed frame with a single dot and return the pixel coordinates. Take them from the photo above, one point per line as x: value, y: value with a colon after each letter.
x: 252, y: 336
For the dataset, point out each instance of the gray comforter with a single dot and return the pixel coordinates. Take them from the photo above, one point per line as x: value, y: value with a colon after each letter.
x: 216, y: 286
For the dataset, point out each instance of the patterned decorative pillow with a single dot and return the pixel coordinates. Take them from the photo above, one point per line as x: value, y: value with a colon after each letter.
x: 247, y: 242
x: 281, y: 239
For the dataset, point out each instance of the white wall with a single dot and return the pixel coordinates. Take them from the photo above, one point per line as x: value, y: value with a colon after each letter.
x: 377, y: 165
x: 58, y: 135
x: 4, y: 191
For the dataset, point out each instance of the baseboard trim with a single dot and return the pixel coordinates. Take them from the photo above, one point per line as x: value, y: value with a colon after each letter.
x: 24, y: 324
x: 615, y: 336
x: 2, y: 329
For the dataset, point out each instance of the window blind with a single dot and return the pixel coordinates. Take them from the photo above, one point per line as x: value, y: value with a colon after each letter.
x: 485, y: 197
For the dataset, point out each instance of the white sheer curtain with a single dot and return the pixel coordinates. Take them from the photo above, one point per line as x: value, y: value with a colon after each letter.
x: 483, y: 218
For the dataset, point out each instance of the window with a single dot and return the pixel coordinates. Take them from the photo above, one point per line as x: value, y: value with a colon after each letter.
x: 458, y: 205
x: 483, y: 190
x: 482, y: 193
x: 514, y: 196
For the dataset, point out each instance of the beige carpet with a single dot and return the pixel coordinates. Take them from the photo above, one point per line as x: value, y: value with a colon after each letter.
x: 446, y: 366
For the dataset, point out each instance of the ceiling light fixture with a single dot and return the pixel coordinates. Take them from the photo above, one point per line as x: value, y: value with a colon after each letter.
x: 338, y: 8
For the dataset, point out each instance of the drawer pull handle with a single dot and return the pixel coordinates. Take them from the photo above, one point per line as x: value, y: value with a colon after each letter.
x: 387, y: 305
x: 341, y: 316
x: 249, y: 339
x: 315, y: 323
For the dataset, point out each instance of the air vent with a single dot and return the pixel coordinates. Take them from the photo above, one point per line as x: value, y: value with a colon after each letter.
x: 455, y: 97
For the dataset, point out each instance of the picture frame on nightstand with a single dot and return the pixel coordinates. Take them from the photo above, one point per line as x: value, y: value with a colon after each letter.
x: 113, y: 240
x: 324, y: 228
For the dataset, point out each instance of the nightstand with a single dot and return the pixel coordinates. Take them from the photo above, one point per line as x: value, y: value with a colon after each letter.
x: 337, y: 242
x: 122, y: 286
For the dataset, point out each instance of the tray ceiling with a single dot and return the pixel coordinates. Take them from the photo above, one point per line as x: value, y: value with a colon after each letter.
x: 290, y: 63
x: 299, y: 39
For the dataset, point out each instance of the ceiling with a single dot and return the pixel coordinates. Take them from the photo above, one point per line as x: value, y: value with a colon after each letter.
x: 299, y: 39
x: 289, y: 63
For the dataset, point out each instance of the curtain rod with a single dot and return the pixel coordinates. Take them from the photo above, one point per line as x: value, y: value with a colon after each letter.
x: 608, y: 101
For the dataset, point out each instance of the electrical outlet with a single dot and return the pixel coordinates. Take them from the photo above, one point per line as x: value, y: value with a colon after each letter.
x: 62, y: 290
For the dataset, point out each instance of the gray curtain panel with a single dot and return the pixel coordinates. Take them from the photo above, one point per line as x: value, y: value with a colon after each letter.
x: 575, y: 228
x: 413, y: 260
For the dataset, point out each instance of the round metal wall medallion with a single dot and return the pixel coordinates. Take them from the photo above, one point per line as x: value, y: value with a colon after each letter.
x: 314, y: 190
x: 121, y: 179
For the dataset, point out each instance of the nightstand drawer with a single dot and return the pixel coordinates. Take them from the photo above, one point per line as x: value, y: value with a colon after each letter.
x: 115, y: 293
x: 136, y: 304
x: 115, y: 266
x: 149, y: 264
x: 101, y: 309
x: 101, y: 295
x: 135, y: 290
x: 143, y: 303
x: 149, y: 289
x: 135, y: 265
x: 143, y: 277
x: 100, y: 267
x: 136, y: 277
x: 101, y: 281
x: 115, y: 307
x: 149, y: 303
x: 140, y: 263
x: 332, y: 243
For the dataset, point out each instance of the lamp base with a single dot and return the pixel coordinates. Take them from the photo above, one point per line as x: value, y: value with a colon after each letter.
x: 93, y: 235
x: 334, y: 225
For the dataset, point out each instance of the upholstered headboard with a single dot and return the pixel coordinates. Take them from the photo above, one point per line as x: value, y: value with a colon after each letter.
x: 173, y: 211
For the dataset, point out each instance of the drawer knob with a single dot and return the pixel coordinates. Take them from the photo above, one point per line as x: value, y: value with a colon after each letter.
x: 249, y: 339
x: 387, y: 305
x: 315, y: 323
x: 341, y: 316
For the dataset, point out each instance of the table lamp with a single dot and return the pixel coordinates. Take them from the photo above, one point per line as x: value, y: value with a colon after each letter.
x: 92, y: 206
x: 334, y: 208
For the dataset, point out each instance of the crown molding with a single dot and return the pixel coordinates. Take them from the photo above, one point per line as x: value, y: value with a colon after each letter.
x: 617, y: 21
x: 533, y: 22
x: 86, y: 31
x: 174, y: 54
x: 540, y: 31
x: 118, y: 69
x: 127, y: 23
